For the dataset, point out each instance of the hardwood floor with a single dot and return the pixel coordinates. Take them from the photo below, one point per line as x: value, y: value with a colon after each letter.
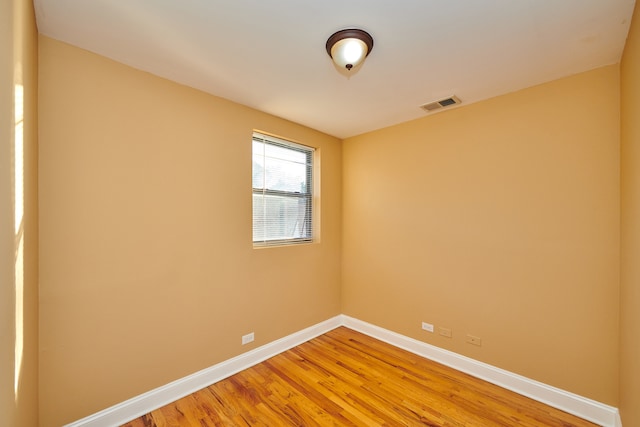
x: 344, y: 378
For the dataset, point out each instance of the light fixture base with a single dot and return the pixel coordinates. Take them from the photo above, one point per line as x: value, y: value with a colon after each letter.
x: 348, y: 48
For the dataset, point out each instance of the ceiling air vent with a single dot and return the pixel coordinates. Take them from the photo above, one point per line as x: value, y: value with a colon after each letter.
x: 436, y: 105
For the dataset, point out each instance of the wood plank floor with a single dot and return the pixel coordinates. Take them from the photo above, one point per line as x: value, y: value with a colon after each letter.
x: 344, y: 378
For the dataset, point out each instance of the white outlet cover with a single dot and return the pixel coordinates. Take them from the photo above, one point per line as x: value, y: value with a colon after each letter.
x: 246, y: 339
x: 427, y: 326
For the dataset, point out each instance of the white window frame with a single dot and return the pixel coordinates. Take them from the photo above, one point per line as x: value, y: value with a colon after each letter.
x: 264, y: 221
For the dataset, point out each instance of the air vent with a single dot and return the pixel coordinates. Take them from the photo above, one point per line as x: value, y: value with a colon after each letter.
x: 436, y: 105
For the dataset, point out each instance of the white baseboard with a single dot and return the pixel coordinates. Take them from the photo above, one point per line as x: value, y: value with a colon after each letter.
x: 591, y: 410
x: 161, y: 396
x: 128, y: 410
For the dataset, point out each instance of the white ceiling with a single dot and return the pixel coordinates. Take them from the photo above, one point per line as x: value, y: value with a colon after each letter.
x: 270, y: 54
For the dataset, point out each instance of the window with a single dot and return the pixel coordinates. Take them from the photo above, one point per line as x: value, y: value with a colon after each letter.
x: 282, y: 191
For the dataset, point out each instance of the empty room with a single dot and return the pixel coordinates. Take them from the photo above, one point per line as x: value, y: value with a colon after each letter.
x: 320, y: 213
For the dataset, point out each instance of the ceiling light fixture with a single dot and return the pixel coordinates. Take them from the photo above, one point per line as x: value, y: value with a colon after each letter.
x: 349, y: 48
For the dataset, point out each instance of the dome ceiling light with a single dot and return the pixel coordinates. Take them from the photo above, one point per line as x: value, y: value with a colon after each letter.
x: 348, y: 48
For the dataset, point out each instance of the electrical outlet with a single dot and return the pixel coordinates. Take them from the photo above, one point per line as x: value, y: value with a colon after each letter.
x: 445, y: 332
x: 427, y: 326
x: 474, y: 340
x: 246, y: 339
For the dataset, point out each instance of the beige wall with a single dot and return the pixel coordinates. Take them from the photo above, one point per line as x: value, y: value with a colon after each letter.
x: 18, y: 215
x: 630, y: 226
x: 7, y: 231
x: 498, y: 219
x: 148, y: 270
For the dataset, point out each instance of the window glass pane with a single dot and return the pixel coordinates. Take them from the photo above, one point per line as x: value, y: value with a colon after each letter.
x: 283, y: 175
x: 279, y: 168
